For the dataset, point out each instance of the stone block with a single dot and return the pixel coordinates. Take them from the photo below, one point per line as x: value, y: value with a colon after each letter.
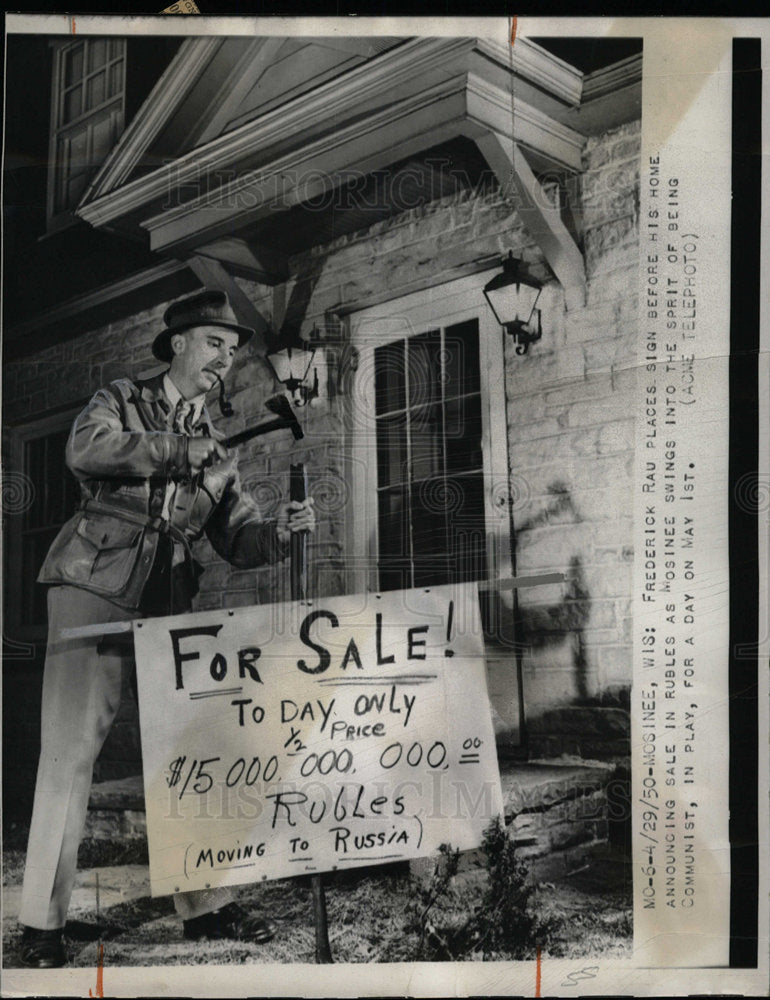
x: 598, y: 412
x: 540, y: 786
x: 546, y: 686
x: 614, y: 274
x: 607, y: 723
x: 615, y: 664
x: 239, y: 598
x: 557, y: 864
x: 604, y: 236
x: 112, y: 824
x: 208, y: 601
x: 626, y: 149
x: 597, y: 157
x: 547, y: 548
x: 604, y: 355
x: 609, y: 581
x: 611, y: 506
x: 566, y: 835
x: 217, y: 576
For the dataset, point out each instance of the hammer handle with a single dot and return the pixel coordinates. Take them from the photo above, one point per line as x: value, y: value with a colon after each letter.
x: 297, y: 562
x: 251, y: 432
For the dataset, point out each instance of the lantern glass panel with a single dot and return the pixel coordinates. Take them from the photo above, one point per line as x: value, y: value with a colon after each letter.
x: 513, y: 303
x: 291, y: 363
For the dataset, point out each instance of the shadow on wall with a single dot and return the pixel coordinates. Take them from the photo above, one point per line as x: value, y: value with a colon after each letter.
x: 564, y: 717
x: 551, y: 625
x: 301, y: 295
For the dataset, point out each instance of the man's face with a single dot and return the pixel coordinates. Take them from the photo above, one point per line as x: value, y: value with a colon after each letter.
x: 200, y: 354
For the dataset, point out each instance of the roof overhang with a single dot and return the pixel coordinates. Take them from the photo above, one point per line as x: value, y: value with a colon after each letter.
x: 528, y: 111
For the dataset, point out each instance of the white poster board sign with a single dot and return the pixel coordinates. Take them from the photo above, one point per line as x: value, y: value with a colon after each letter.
x: 286, y: 739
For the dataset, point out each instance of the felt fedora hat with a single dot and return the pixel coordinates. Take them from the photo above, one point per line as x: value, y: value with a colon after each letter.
x: 210, y: 307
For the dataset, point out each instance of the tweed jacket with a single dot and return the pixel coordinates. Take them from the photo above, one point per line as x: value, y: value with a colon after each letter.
x: 124, y: 451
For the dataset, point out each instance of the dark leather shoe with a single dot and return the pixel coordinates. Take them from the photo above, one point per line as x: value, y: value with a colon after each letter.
x: 231, y: 921
x: 42, y: 949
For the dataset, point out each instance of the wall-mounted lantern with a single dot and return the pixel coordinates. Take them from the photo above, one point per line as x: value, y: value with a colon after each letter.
x: 291, y: 358
x: 512, y: 297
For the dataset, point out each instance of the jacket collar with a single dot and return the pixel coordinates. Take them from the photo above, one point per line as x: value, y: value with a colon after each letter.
x: 174, y: 396
x: 151, y: 391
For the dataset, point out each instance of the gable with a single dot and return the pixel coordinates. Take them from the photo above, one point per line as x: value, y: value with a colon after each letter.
x: 214, y: 85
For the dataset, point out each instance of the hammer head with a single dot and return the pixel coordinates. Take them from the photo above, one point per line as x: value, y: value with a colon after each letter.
x: 281, y: 406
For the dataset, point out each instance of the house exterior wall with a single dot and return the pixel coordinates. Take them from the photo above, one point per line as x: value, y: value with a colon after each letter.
x: 571, y: 435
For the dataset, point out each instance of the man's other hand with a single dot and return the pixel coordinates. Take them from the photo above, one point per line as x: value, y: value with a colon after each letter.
x: 295, y: 516
x: 202, y: 452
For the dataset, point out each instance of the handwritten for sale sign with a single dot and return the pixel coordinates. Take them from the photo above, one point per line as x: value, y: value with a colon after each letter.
x: 284, y: 739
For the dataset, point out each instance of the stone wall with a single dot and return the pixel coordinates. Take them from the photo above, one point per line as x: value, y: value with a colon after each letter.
x: 571, y: 433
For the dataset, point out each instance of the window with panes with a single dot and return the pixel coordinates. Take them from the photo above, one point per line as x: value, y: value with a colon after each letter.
x: 87, y: 115
x: 430, y: 481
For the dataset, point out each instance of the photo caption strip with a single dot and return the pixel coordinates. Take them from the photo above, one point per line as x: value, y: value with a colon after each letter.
x: 680, y: 694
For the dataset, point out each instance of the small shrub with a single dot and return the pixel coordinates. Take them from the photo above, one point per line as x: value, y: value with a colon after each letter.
x: 447, y: 924
x: 504, y: 920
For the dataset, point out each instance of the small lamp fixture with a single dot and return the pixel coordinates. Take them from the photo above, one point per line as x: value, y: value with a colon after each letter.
x: 512, y: 297
x: 290, y: 359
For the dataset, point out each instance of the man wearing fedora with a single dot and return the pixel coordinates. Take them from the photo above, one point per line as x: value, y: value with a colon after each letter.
x: 154, y: 476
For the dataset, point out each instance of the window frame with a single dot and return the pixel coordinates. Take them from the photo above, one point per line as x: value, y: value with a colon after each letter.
x: 58, y: 218
x: 440, y: 305
x: 17, y: 439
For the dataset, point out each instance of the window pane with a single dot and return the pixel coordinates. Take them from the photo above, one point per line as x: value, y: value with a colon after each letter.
x: 424, y: 368
x: 390, y: 391
x: 104, y: 133
x: 426, y: 431
x: 391, y: 450
x: 395, y: 575
x: 463, y: 434
x: 97, y: 88
x: 467, y: 528
x: 394, y: 523
x: 116, y: 79
x: 34, y: 468
x: 429, y: 513
x: 461, y: 358
x: 429, y: 532
x: 395, y: 570
x: 97, y: 54
x: 73, y: 104
x: 73, y: 65
x: 77, y: 150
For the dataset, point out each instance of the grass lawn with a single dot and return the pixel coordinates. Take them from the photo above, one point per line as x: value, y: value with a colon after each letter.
x: 373, y: 917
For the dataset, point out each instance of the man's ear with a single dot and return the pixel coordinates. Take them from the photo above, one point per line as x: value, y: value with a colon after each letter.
x: 178, y: 343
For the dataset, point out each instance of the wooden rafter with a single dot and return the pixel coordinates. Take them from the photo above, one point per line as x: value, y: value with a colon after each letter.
x: 260, y: 263
x: 539, y: 215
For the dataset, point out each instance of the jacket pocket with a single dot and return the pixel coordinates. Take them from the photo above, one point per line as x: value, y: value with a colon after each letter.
x: 102, y: 553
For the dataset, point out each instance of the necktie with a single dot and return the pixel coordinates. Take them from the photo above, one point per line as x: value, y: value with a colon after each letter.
x: 183, y: 418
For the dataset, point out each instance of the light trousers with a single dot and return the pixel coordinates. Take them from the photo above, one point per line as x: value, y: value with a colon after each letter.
x: 81, y: 694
